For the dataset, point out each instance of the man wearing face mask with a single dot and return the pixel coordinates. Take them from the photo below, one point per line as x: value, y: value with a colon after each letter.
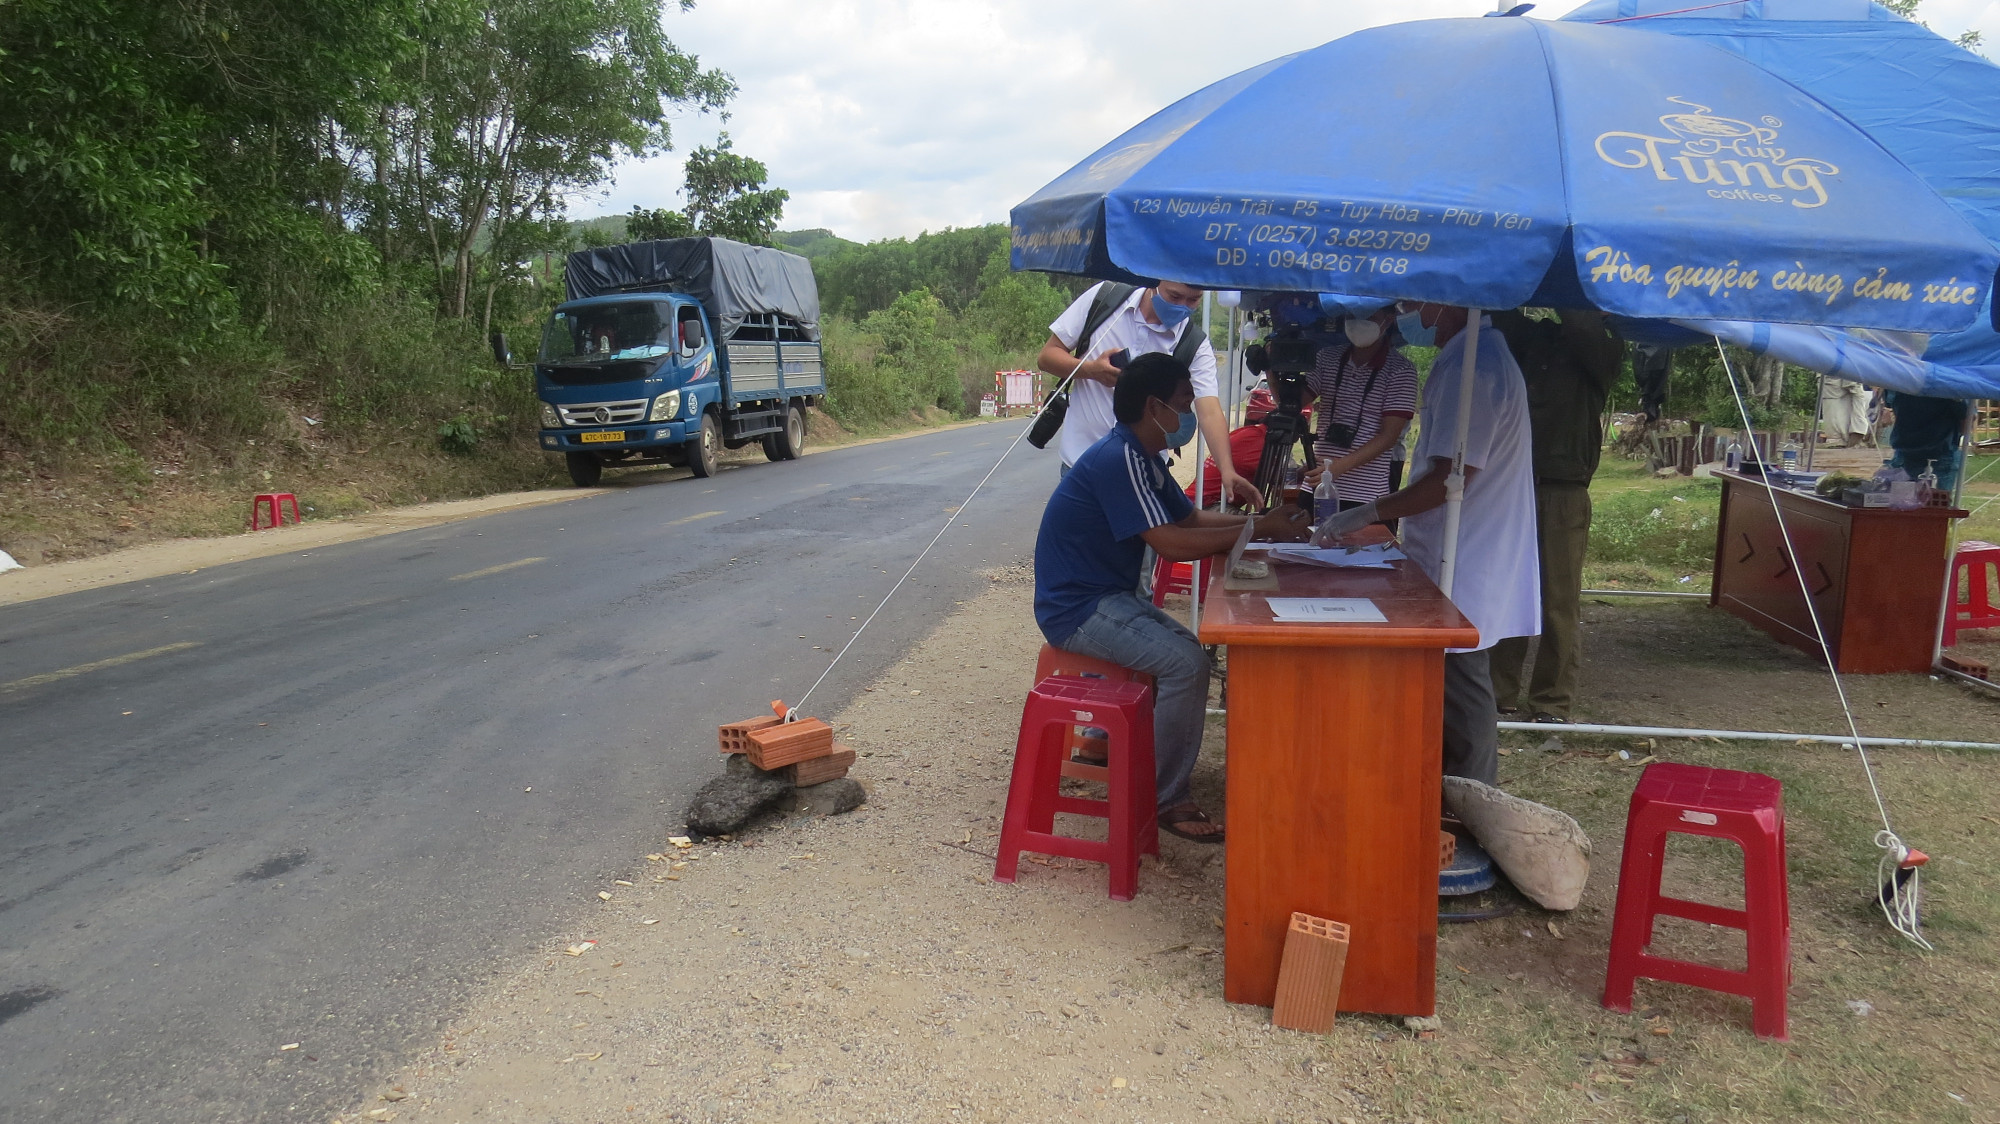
x: 1367, y: 394
x: 1116, y: 500
x: 1143, y: 322
x: 1496, y: 583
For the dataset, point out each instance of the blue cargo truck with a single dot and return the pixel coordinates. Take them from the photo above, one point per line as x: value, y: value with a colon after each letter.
x: 668, y: 352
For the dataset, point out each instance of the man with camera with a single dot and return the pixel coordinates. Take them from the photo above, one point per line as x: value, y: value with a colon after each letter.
x: 1100, y: 332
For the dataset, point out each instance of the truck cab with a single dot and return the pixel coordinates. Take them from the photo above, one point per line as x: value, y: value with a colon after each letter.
x: 624, y: 380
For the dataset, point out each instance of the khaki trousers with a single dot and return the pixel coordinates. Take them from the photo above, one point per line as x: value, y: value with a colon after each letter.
x: 1562, y: 526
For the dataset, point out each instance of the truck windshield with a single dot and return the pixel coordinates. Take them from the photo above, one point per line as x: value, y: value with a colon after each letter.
x: 601, y: 333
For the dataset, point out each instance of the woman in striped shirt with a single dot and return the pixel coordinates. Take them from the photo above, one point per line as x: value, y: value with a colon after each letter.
x: 1367, y: 393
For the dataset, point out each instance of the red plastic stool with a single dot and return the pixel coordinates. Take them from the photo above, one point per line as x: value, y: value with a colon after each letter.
x: 1747, y: 808
x: 263, y: 501
x: 1054, y: 707
x: 1969, y: 565
x: 1177, y: 577
x: 1055, y: 661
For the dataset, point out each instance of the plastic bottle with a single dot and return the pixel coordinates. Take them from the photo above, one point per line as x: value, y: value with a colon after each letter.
x: 1325, y: 497
x: 1733, y: 458
x: 1927, y: 482
x: 1788, y: 456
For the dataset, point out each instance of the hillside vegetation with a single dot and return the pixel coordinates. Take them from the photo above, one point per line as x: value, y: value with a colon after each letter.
x: 258, y: 247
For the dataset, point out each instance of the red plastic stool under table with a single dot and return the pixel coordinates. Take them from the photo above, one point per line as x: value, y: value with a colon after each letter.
x: 1177, y: 577
x: 1055, y: 661
x: 1124, y: 711
x: 1747, y: 808
x: 1969, y: 565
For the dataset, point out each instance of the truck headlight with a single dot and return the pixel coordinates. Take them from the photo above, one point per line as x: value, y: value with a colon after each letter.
x: 550, y: 419
x: 666, y: 406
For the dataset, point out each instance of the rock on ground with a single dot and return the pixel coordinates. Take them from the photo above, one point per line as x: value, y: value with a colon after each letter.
x: 832, y: 798
x: 726, y: 803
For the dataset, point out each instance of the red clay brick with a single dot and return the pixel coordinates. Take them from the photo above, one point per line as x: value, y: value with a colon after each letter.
x: 1309, y: 975
x: 1966, y: 665
x: 820, y: 770
x: 735, y: 736
x: 774, y: 747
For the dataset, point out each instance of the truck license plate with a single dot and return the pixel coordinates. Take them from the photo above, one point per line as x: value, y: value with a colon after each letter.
x: 603, y: 436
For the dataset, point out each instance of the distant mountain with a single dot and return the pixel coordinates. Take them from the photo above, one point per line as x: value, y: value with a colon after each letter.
x: 812, y: 243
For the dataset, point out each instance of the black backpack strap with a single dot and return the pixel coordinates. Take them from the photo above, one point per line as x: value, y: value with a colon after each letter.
x: 1109, y: 296
x: 1189, y: 343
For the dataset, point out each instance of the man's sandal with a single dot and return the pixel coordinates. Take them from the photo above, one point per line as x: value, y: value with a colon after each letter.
x: 1171, y: 819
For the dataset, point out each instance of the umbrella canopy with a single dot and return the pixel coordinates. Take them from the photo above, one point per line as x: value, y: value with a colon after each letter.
x: 1498, y: 162
x: 1930, y: 103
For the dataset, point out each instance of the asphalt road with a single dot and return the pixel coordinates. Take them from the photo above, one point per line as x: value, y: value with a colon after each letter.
x: 319, y: 798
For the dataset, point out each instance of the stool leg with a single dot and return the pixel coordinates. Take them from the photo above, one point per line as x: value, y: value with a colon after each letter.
x: 1125, y: 788
x: 1769, y: 938
x: 1020, y: 795
x: 1145, y: 782
x: 1632, y: 923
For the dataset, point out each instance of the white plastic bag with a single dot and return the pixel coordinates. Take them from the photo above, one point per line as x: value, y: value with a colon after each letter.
x: 7, y: 563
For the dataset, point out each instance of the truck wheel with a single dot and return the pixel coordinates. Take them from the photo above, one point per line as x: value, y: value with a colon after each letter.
x: 701, y: 450
x: 774, y: 446
x: 792, y: 442
x: 585, y: 470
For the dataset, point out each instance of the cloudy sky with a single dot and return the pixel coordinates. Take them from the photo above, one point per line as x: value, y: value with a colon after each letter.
x: 892, y: 117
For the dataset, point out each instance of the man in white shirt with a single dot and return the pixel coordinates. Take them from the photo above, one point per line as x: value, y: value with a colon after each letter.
x: 1149, y: 320
x: 1497, y: 581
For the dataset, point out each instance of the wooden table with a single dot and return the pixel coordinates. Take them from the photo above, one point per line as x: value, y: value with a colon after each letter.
x: 1335, y: 736
x: 1876, y: 575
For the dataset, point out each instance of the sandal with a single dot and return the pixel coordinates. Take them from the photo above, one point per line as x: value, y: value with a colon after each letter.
x: 1172, y: 818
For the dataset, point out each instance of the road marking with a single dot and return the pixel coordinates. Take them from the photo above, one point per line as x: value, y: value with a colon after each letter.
x: 691, y: 518
x: 99, y: 665
x: 946, y: 453
x: 502, y: 567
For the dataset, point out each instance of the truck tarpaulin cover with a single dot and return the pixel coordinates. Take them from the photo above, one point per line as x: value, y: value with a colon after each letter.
x: 730, y: 279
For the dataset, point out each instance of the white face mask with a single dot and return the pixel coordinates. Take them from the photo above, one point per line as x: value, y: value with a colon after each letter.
x: 1362, y: 333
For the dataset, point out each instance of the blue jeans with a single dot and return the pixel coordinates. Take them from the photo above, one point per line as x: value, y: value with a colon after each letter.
x: 1130, y: 632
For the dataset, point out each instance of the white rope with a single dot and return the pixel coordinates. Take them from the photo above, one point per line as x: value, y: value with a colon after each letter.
x: 1898, y: 900
x: 791, y: 715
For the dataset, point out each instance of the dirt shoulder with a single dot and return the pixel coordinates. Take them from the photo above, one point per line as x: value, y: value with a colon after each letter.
x: 866, y: 968
x: 185, y: 555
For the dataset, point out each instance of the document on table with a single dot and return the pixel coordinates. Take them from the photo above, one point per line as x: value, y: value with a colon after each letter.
x: 1325, y: 610
x: 1375, y: 557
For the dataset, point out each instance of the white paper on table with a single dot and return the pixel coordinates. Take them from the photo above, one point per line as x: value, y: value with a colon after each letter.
x: 1326, y: 610
x: 1375, y: 557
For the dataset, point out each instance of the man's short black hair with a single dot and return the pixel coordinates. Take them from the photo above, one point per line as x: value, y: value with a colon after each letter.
x: 1155, y: 374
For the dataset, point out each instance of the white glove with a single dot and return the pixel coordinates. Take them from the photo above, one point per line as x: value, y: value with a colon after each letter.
x: 1345, y: 522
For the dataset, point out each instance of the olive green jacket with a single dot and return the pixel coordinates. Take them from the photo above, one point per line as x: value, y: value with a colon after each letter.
x: 1570, y: 368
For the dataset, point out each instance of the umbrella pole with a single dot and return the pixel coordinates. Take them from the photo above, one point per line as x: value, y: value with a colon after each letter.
x: 1454, y: 485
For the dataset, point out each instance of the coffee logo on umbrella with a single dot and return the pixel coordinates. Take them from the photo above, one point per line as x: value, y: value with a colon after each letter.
x: 1740, y: 161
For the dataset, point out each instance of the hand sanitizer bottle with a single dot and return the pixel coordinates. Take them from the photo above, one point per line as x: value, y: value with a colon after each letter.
x: 1325, y: 497
x: 1733, y: 458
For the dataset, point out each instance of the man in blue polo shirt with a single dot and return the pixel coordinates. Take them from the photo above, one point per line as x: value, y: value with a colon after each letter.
x: 1116, y: 500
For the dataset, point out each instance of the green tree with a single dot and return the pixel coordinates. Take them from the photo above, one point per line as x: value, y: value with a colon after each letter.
x: 642, y: 225
x: 727, y: 197
x: 915, y: 345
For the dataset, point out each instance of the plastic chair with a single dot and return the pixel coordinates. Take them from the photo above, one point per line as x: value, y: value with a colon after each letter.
x: 1746, y: 808
x: 1055, y: 706
x: 1970, y: 565
x: 1055, y: 661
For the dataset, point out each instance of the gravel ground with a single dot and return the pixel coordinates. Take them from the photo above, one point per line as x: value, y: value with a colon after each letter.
x: 867, y: 968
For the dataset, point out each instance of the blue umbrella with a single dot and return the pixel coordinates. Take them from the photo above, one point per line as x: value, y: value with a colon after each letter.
x: 1492, y: 163
x: 1932, y: 104
x: 1497, y: 162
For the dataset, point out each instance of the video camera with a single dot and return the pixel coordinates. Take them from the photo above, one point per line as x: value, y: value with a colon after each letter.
x: 1283, y: 360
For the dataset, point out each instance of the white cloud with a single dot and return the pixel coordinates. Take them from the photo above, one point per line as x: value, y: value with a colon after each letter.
x: 890, y: 117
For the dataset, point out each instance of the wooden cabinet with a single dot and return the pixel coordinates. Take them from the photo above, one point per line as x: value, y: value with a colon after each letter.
x: 1875, y: 577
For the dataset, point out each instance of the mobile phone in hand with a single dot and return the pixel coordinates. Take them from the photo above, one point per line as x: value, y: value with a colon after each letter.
x: 1119, y: 358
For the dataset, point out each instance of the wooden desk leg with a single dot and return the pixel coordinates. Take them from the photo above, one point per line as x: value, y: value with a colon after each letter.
x: 1334, y: 762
